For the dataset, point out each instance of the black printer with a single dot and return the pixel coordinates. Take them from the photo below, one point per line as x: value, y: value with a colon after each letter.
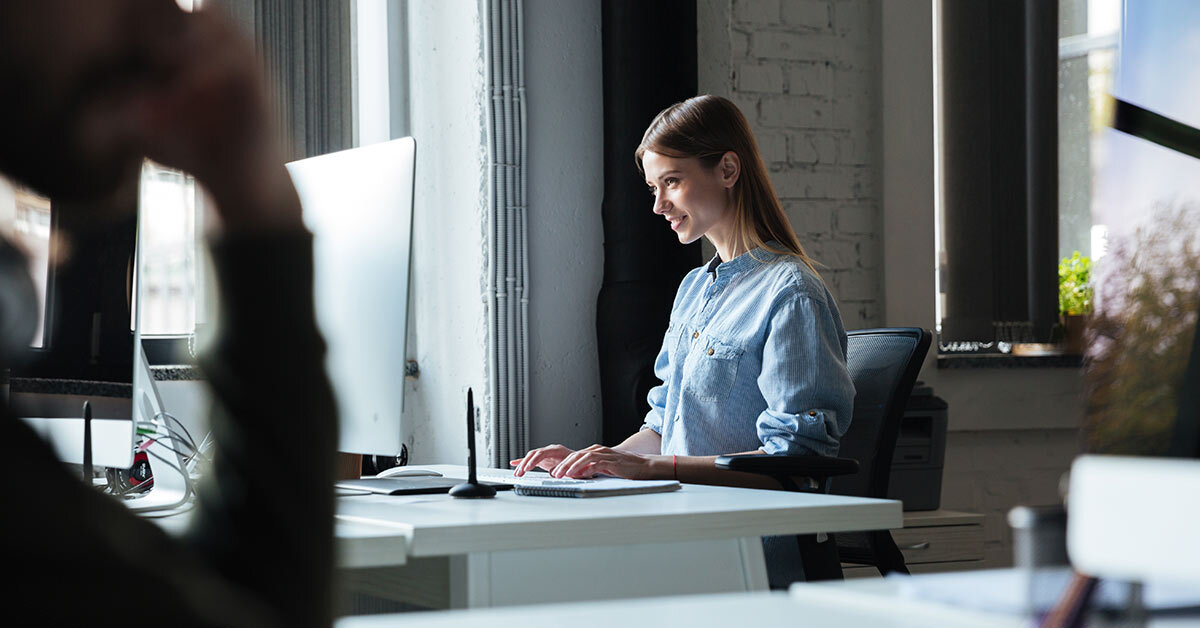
x: 916, y: 477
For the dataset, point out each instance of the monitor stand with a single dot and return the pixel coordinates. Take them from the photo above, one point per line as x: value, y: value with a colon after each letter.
x: 172, y: 488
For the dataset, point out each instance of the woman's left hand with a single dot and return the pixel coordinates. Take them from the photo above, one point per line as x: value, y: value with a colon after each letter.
x: 597, y: 460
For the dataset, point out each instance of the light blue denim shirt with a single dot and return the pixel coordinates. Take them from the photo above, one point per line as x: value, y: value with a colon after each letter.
x: 754, y: 357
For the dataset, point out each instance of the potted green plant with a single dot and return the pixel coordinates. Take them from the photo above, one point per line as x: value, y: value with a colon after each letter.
x: 1074, y: 299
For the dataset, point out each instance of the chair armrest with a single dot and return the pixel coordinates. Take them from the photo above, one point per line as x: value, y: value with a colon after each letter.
x: 779, y: 465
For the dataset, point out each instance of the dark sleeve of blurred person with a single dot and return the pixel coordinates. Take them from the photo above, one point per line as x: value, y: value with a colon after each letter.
x: 258, y: 550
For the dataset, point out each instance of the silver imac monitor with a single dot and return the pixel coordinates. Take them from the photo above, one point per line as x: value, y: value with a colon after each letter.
x: 358, y: 203
x: 81, y: 351
x: 91, y: 350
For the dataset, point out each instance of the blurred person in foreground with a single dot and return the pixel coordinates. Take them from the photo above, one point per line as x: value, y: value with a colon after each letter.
x: 90, y: 88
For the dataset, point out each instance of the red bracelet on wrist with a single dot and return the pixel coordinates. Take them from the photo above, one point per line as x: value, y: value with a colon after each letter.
x: 675, y: 467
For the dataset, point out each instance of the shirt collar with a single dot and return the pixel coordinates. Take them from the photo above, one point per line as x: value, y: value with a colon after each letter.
x: 758, y: 255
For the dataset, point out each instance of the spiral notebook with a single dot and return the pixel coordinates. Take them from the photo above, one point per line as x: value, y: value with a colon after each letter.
x: 601, y: 487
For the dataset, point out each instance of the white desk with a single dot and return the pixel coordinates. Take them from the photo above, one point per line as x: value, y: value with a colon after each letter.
x: 715, y: 611
x: 806, y: 605
x: 874, y: 603
x: 357, y: 544
x: 523, y: 550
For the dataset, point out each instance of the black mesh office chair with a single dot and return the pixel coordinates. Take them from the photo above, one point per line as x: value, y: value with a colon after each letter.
x: 883, y: 364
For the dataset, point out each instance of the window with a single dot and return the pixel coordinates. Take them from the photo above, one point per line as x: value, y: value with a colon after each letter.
x: 170, y: 273
x: 1022, y: 103
x: 1089, y: 31
x: 996, y: 116
x: 170, y: 278
x: 29, y: 216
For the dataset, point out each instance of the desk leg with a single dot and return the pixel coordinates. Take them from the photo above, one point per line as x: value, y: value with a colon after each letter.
x: 470, y: 580
x: 754, y: 563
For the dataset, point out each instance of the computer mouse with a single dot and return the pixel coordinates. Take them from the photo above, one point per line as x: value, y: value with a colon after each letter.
x: 407, y: 472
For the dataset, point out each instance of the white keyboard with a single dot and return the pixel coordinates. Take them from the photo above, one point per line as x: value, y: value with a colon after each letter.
x: 530, y: 479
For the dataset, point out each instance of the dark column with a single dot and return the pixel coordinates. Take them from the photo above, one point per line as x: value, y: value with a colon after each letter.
x: 649, y: 64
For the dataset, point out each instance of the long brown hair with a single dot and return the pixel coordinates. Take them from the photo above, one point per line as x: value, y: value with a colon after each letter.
x: 706, y: 127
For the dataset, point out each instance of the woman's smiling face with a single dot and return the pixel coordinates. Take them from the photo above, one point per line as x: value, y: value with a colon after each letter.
x: 696, y: 200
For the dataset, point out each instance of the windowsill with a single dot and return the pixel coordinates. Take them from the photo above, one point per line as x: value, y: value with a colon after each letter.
x: 1007, y: 361
x: 86, y: 388
x: 176, y: 372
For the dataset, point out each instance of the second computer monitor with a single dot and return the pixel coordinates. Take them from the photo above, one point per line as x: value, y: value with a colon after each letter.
x: 358, y: 204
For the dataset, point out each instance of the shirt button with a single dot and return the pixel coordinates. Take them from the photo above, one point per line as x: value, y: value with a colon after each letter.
x: 710, y: 351
x: 812, y: 413
x: 695, y: 335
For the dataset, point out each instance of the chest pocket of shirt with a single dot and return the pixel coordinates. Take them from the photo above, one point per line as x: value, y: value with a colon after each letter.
x: 671, y: 340
x: 710, y: 369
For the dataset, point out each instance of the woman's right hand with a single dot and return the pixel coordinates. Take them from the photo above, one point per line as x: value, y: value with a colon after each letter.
x: 545, y: 458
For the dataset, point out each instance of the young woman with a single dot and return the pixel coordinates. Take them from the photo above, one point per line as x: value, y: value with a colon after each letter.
x: 754, y: 357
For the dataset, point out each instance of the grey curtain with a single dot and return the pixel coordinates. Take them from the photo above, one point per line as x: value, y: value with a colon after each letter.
x: 999, y: 71
x: 307, y: 51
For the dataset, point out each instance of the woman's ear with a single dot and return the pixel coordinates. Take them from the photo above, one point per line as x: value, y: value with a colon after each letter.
x: 731, y: 168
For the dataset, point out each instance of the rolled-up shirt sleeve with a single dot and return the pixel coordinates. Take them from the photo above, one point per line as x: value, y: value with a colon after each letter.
x: 804, y: 379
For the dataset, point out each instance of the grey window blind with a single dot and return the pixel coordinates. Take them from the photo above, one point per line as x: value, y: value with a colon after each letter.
x: 307, y: 51
x: 999, y: 132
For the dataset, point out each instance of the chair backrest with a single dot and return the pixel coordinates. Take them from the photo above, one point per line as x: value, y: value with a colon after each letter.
x: 883, y: 364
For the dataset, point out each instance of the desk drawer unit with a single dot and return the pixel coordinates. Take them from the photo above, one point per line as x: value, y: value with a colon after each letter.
x: 934, y: 541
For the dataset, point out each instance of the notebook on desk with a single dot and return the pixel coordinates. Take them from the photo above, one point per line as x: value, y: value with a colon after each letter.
x: 600, y: 487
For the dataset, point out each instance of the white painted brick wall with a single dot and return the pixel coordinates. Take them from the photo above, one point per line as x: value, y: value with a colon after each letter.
x: 763, y: 12
x: 813, y: 14
x: 990, y: 472
x: 760, y: 78
x: 805, y: 73
x: 810, y: 219
x: 773, y: 146
x: 810, y: 79
x: 813, y: 147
